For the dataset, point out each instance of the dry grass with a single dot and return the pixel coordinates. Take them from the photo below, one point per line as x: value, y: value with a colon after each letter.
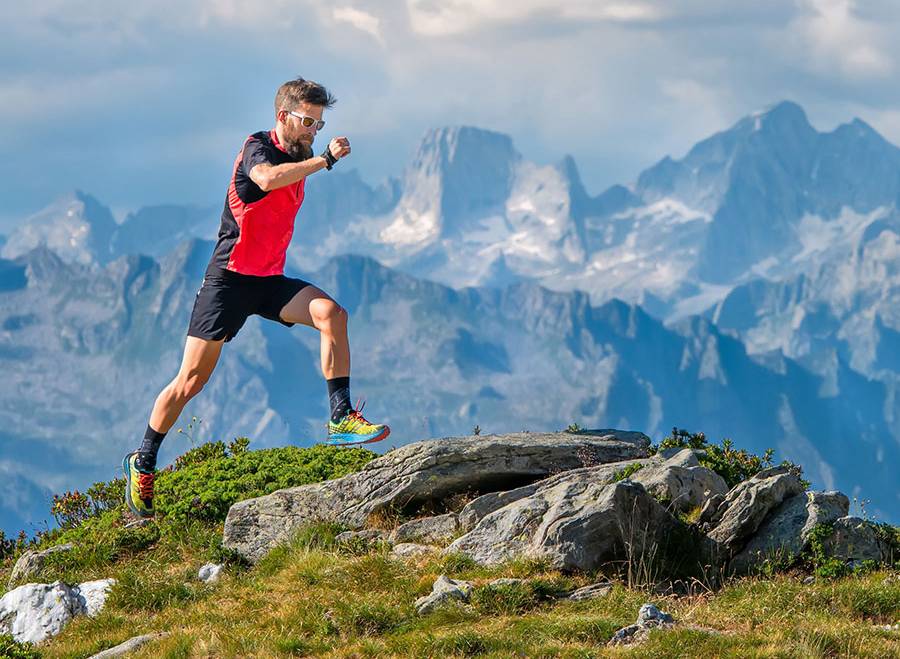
x: 316, y: 601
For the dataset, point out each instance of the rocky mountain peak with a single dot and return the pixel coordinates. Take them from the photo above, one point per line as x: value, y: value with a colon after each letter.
x: 76, y: 226
x: 456, y: 172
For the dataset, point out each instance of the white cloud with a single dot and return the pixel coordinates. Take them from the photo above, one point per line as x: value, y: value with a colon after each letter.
x: 838, y: 38
x: 451, y: 17
x: 361, y: 20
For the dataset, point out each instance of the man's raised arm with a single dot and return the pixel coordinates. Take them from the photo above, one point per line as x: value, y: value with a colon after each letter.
x: 271, y: 177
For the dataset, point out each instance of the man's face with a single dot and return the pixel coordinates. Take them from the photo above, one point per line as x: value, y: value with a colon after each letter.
x: 298, y: 139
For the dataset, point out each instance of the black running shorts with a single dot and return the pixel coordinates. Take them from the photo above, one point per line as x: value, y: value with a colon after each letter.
x: 227, y: 298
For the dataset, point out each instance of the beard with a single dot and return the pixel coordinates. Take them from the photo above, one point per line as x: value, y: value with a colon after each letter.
x: 298, y: 149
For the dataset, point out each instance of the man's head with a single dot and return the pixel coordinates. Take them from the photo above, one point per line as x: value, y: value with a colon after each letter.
x: 300, y: 102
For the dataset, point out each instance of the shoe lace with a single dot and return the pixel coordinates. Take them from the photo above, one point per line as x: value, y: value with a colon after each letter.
x: 356, y: 413
x: 145, y: 485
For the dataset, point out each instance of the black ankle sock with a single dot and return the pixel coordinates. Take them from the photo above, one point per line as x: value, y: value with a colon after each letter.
x: 339, y: 397
x: 149, y: 449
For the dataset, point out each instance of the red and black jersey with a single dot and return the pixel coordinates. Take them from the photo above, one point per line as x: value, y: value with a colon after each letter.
x: 257, y: 226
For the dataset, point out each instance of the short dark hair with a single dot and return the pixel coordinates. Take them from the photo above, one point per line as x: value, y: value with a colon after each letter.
x: 297, y: 91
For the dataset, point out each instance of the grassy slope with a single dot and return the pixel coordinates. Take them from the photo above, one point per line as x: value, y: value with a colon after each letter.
x: 313, y: 598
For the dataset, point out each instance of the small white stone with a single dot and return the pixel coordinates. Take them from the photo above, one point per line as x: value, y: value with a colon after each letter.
x: 210, y: 572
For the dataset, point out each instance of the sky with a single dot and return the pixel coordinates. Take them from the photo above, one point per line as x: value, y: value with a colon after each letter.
x: 144, y: 103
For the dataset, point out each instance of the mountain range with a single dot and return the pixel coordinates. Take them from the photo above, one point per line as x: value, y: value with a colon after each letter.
x: 744, y: 290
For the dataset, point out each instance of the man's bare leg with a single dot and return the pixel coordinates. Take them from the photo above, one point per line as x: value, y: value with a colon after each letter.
x: 197, y: 364
x: 200, y: 358
x: 313, y: 307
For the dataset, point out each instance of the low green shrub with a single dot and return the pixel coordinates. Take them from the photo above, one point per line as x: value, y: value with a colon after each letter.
x: 208, y: 483
x: 734, y: 465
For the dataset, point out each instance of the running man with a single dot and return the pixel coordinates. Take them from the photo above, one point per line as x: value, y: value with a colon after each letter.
x: 245, y: 277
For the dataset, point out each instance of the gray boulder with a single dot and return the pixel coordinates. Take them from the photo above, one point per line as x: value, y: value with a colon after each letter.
x: 444, y: 591
x: 854, y: 540
x: 748, y: 504
x: 418, y: 474
x: 31, y: 562
x: 680, y: 481
x: 784, y: 534
x: 34, y: 612
x: 482, y: 506
x: 430, y: 530
x: 579, y: 525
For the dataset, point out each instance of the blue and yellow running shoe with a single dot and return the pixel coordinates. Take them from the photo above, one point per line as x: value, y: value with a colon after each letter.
x: 138, y: 487
x: 354, y: 429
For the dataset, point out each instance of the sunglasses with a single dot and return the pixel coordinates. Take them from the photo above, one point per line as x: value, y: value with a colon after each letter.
x: 306, y: 121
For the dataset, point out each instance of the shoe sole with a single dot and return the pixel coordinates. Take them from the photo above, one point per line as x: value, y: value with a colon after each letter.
x: 376, y: 438
x: 131, y: 506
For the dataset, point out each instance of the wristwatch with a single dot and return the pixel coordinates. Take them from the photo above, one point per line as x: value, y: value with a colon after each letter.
x: 329, y: 158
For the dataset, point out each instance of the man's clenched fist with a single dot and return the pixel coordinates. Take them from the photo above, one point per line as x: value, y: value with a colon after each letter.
x: 339, y: 147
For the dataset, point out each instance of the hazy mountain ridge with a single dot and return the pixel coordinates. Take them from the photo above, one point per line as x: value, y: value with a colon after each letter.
x: 434, y: 361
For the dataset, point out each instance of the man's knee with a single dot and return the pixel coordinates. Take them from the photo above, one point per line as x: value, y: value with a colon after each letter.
x: 188, y: 386
x: 329, y: 316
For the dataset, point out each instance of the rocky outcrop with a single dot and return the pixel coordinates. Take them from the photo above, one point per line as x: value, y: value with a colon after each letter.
x: 34, y: 612
x: 580, y: 501
x: 784, y: 535
x: 578, y: 525
x: 422, y: 473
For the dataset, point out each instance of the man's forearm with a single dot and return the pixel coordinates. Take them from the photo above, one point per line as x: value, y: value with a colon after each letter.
x: 278, y: 176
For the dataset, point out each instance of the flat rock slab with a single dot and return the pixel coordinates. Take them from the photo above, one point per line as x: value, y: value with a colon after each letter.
x: 419, y: 473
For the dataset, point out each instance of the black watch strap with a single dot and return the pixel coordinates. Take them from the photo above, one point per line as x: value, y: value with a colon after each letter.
x: 329, y: 158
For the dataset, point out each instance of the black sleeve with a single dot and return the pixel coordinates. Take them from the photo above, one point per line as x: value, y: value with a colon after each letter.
x: 255, y: 152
